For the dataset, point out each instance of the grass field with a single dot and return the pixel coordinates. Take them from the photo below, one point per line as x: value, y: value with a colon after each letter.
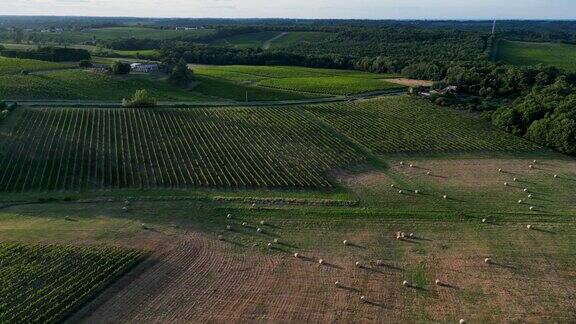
x: 83, y: 85
x: 15, y: 66
x: 114, y: 33
x: 524, y: 53
x: 404, y: 125
x: 294, y: 38
x: 302, y: 79
x: 52, y: 149
x: 44, y: 284
x: 251, y: 40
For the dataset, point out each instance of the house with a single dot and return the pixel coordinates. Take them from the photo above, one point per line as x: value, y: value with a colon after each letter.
x: 146, y: 68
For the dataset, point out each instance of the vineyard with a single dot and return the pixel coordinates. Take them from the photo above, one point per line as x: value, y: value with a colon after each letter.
x: 217, y: 87
x: 50, y: 149
x: 336, y: 85
x: 43, y: 284
x: 525, y: 53
x: 394, y: 125
x: 82, y: 85
x: 15, y: 65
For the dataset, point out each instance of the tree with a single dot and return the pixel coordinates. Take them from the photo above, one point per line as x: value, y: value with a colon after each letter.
x: 181, y: 75
x: 141, y: 99
x: 120, y: 68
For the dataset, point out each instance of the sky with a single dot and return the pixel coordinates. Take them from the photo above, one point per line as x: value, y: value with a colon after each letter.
x: 338, y: 9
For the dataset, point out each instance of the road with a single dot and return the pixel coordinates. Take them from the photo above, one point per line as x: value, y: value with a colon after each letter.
x: 268, y: 43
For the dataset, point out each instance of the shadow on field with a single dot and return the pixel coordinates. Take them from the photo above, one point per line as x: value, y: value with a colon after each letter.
x: 332, y: 265
x: 357, y: 246
x: 349, y: 288
x: 544, y: 230
x: 392, y: 267
x: 446, y: 285
x: 505, y: 266
x: 373, y: 303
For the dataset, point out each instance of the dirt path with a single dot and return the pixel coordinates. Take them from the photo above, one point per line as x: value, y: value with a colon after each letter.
x: 268, y: 43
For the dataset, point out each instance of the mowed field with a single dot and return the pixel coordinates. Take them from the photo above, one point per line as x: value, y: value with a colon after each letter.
x: 301, y: 79
x: 15, y: 66
x: 525, y: 53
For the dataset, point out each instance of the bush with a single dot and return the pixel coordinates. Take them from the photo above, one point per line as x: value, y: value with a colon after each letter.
x: 141, y: 99
x: 120, y: 68
x: 85, y: 64
x: 181, y: 75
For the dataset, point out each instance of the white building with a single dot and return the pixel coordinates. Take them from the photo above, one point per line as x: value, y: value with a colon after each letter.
x: 146, y: 68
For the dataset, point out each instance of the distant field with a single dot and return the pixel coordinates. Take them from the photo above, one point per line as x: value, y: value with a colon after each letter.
x: 311, y: 80
x: 524, y: 53
x: 145, y: 54
x: 44, y: 284
x: 395, y: 125
x: 82, y: 85
x: 14, y: 65
x: 52, y: 149
x: 251, y: 40
x: 296, y: 38
x: 113, y: 33
x: 220, y: 88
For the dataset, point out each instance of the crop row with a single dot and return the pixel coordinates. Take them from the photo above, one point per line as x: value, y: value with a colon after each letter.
x: 338, y: 85
x: 83, y: 148
x: 404, y: 125
x: 43, y: 284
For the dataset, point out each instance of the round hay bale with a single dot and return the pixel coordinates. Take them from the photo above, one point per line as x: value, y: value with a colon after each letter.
x: 296, y: 255
x: 532, y: 208
x: 462, y: 321
x: 555, y: 176
x: 535, y: 161
x: 529, y: 226
x: 428, y: 173
x: 379, y: 262
x: 220, y: 238
x: 321, y: 261
x: 411, y: 235
x: 531, y: 166
x: 259, y: 230
x: 445, y: 197
x: 520, y: 201
x: 363, y: 299
x: 401, y: 162
x: 244, y: 224
x: 499, y: 170
x: 400, y: 191
x: 270, y: 245
x: 345, y: 242
x: 358, y: 264
x: 392, y: 186
x: 253, y: 206
x: 337, y: 284
x: 484, y: 220
x: 405, y: 283
x: 126, y: 202
x: 487, y: 260
x: 438, y: 282
x: 411, y: 165
x: 505, y: 184
x: 530, y: 196
x: 276, y: 241
x: 229, y: 216
x: 416, y: 191
x: 262, y: 222
x: 402, y: 234
x: 525, y: 189
x: 515, y: 179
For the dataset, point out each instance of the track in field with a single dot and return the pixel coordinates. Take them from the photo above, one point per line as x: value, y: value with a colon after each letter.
x: 74, y: 149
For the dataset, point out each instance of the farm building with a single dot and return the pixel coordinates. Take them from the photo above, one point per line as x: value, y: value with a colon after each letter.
x: 141, y: 67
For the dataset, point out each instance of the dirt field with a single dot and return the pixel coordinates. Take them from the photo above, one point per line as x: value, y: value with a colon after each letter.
x: 411, y: 82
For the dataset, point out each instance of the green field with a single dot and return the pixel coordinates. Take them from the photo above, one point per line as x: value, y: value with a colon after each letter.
x: 524, y: 53
x: 114, y: 33
x: 395, y: 125
x: 15, y: 65
x: 300, y: 79
x: 44, y: 284
x: 298, y: 38
x: 83, y: 85
x: 251, y: 40
x: 125, y: 148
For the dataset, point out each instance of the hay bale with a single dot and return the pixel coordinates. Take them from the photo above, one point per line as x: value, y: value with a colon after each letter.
x: 405, y: 283
x: 363, y: 299
x: 416, y: 191
x: 297, y: 255
x: 532, y: 208
x: 520, y: 201
x: 262, y: 222
x: 411, y: 165
x: 529, y: 226
x: 259, y: 230
x: 392, y: 186
x: 379, y: 263
x: 487, y: 260
x: 438, y: 282
x: 445, y: 197
x: 400, y: 191
x: 530, y: 196
x: 499, y: 170
x: 270, y: 245
x: 276, y: 241
x: 531, y: 166
x: 401, y: 162
x: 321, y: 261
x: 428, y: 173
x: 505, y: 184
x: 337, y: 284
x: 484, y: 220
x: 126, y: 202
x: 525, y: 189
x: 555, y: 176
x: 515, y: 179
x: 345, y: 242
x: 411, y: 235
x: 229, y: 216
x: 244, y: 224
x: 535, y: 161
x: 358, y: 264
x: 220, y: 238
x: 462, y: 321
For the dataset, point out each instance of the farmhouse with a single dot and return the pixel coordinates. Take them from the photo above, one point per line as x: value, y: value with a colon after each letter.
x: 141, y: 67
